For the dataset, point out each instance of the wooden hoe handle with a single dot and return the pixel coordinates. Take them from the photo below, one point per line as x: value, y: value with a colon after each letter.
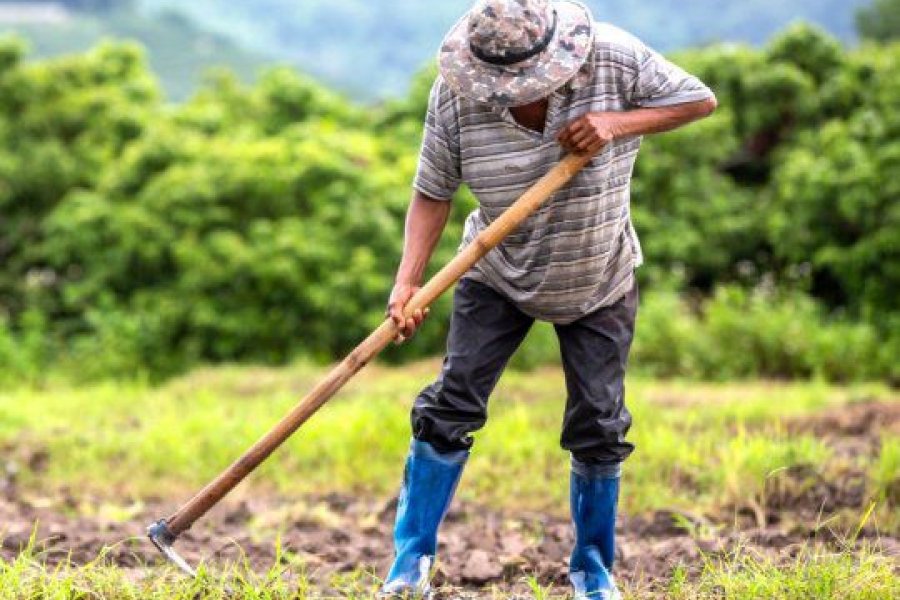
x: 197, y: 506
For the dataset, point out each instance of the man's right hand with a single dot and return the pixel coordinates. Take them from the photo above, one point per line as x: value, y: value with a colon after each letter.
x: 424, y: 222
x: 400, y: 297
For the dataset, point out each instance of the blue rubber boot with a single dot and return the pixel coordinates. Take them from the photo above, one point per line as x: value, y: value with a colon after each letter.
x: 429, y: 482
x: 594, y: 495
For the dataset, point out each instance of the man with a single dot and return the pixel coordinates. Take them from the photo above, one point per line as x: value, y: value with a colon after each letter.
x: 521, y: 83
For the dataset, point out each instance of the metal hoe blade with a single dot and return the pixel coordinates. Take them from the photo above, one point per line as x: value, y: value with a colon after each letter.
x: 163, y: 539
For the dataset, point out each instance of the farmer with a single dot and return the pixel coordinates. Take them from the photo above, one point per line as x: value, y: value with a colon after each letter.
x: 521, y: 83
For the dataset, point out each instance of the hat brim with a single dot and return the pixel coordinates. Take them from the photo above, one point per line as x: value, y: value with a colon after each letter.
x: 525, y: 82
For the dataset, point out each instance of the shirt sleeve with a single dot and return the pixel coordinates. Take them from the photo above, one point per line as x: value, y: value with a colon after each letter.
x: 659, y: 82
x: 439, y: 174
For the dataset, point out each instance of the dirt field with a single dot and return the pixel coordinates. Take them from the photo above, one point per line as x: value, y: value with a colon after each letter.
x: 481, y: 547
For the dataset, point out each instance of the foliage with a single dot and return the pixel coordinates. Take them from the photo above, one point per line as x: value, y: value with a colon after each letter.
x: 805, y: 193
x: 880, y: 21
x: 740, y: 333
x: 61, y: 125
x: 262, y: 223
x: 751, y: 334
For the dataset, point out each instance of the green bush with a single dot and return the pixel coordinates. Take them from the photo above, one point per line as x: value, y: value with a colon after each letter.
x: 261, y: 223
x: 739, y: 333
x: 25, y: 353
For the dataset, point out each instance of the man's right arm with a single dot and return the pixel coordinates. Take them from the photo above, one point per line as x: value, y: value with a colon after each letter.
x: 425, y: 221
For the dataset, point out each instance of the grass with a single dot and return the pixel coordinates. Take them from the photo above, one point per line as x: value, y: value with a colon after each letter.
x: 702, y: 449
x: 27, y: 578
x: 886, y: 469
x: 812, y: 575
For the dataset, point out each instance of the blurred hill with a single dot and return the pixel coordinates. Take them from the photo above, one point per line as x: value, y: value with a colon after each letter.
x: 372, y: 48
x: 179, y: 48
x: 369, y: 49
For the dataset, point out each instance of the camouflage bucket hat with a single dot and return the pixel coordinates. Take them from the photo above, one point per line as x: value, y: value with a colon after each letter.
x: 514, y: 52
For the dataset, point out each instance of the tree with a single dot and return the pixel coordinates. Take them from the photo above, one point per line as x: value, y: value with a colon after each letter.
x: 265, y: 222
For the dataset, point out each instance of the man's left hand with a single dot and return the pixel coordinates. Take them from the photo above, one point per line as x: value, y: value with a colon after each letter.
x: 588, y: 134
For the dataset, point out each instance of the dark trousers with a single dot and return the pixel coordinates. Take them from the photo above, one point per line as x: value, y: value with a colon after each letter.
x: 485, y: 330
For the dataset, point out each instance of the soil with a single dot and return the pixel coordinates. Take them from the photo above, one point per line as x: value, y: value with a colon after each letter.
x: 481, y: 547
x: 866, y: 419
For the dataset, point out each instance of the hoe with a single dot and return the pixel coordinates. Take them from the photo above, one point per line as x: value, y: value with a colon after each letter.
x: 165, y: 532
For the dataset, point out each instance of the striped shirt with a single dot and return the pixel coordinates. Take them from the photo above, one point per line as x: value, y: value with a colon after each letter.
x: 578, y: 252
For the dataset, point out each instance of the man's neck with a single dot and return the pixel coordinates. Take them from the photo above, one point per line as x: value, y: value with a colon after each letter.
x: 532, y: 116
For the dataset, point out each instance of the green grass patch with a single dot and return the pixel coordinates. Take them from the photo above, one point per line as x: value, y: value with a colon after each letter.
x: 700, y: 446
x: 886, y: 471
x: 811, y: 575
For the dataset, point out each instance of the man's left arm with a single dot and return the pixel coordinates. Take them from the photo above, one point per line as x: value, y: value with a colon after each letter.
x: 592, y: 132
x: 662, y: 96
